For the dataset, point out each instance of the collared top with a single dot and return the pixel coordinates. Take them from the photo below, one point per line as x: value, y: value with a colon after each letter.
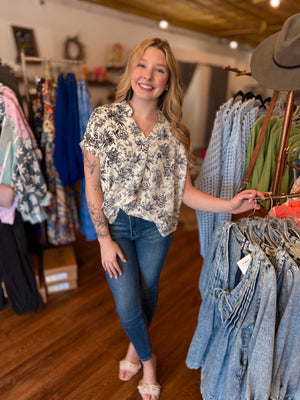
x: 144, y: 177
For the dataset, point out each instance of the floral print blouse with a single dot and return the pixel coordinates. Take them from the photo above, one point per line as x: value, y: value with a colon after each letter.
x: 144, y: 177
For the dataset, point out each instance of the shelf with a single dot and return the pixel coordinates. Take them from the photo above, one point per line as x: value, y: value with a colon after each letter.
x: 90, y: 82
x: 101, y: 83
x: 116, y: 68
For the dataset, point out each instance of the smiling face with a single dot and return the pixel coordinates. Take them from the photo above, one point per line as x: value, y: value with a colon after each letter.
x: 150, y: 77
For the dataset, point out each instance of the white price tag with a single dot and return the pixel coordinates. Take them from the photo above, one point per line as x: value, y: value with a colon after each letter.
x: 244, y: 263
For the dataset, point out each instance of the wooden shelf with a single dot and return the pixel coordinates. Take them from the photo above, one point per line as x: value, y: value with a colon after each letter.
x: 100, y: 83
x: 89, y: 82
x: 116, y: 69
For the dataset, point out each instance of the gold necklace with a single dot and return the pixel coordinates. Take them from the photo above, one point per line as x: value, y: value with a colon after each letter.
x: 148, y: 127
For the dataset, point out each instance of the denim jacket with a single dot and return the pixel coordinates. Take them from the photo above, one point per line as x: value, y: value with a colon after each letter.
x: 234, y: 339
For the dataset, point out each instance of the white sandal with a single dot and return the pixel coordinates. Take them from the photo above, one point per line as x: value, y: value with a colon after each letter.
x: 126, y: 365
x: 145, y: 388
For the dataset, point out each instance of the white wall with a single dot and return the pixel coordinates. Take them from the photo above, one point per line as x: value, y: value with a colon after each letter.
x: 195, y: 106
x: 100, y: 27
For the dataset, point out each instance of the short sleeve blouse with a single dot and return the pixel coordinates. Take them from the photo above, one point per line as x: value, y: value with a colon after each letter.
x: 144, y: 177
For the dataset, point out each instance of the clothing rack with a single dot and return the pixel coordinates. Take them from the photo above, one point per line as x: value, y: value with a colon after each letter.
x: 25, y: 59
x: 282, y: 155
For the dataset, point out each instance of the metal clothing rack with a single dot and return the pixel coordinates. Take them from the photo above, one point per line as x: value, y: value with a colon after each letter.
x: 280, y: 196
x: 281, y: 158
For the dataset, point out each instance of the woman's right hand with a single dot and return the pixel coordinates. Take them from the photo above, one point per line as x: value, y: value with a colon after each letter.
x: 110, y: 251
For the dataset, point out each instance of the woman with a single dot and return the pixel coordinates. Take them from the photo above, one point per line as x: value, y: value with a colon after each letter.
x: 136, y: 154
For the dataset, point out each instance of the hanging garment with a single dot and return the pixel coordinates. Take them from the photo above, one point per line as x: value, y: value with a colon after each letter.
x: 238, y: 310
x: 20, y: 161
x: 39, y: 114
x: 15, y: 269
x: 233, y: 165
x: 19, y: 169
x: 286, y: 357
x: 209, y: 177
x: 7, y: 214
x: 2, y: 111
x: 246, y: 341
x: 254, y: 135
x: 85, y: 110
x: 222, y: 171
x: 67, y: 154
x: 8, y: 79
x: 84, y: 106
x: 60, y: 222
x: 286, y: 210
x: 263, y: 173
x: 277, y: 238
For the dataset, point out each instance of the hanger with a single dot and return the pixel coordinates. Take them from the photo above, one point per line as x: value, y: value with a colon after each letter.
x: 296, y: 219
x: 287, y: 207
x: 249, y: 95
x: 262, y: 102
x: 48, y: 70
x: 296, y: 115
x: 267, y: 100
x: 286, y: 228
x: 252, y: 213
x: 275, y: 224
x: 240, y: 93
x: 292, y: 224
x: 279, y: 109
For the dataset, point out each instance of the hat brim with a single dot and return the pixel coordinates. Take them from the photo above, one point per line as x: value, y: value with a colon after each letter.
x: 269, y: 74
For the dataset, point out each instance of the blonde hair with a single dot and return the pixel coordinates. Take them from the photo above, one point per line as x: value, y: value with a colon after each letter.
x: 170, y: 101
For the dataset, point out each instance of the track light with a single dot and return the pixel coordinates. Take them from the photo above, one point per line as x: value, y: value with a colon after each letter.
x: 274, y: 3
x: 233, y: 44
x: 163, y: 24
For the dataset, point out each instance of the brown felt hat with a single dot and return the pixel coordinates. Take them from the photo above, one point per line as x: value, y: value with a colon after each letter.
x: 275, y: 62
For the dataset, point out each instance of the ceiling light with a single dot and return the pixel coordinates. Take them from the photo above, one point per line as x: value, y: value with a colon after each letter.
x: 233, y: 44
x: 274, y: 3
x: 163, y: 24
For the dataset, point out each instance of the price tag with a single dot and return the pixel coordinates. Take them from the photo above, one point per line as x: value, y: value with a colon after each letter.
x: 244, y: 263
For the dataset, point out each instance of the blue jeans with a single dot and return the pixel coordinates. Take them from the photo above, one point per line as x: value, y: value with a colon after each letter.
x: 136, y: 290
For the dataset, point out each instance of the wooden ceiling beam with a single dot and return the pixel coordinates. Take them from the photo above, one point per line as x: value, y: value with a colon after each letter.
x: 248, y: 22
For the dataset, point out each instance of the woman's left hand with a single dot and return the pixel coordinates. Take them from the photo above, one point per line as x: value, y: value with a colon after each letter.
x: 245, y: 201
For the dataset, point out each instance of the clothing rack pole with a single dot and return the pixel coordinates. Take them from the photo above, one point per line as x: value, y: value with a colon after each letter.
x: 53, y: 60
x: 283, y: 146
x: 280, y: 196
x: 25, y: 59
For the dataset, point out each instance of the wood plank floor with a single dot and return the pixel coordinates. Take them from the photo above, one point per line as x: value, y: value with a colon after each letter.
x: 70, y: 349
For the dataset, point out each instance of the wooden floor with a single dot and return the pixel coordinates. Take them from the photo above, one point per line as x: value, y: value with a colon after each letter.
x: 70, y: 349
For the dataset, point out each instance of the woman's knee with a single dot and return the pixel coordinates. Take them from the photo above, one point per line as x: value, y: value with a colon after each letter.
x: 130, y: 317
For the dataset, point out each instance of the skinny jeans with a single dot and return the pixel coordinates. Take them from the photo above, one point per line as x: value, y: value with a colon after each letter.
x: 136, y: 291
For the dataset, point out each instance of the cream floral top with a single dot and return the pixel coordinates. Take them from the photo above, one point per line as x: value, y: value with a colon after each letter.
x: 144, y: 177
